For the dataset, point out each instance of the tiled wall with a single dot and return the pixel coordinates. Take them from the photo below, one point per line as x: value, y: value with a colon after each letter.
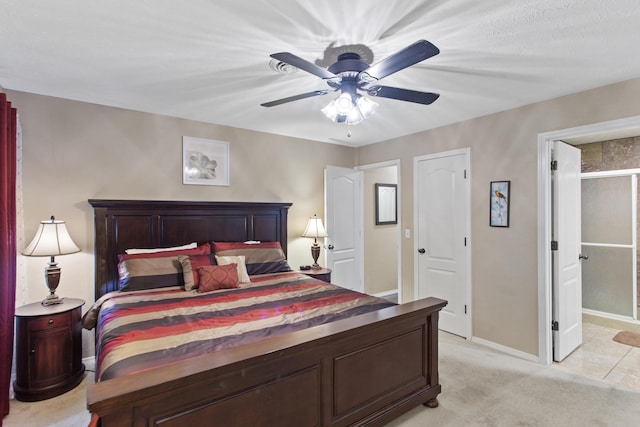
x: 615, y: 154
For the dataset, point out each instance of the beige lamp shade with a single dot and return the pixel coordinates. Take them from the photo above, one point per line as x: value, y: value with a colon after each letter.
x: 51, y: 239
x: 314, y: 228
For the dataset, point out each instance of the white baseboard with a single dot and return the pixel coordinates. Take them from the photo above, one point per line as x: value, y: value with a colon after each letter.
x: 89, y: 363
x: 11, y: 393
x: 385, y: 293
x: 508, y: 350
x: 609, y: 316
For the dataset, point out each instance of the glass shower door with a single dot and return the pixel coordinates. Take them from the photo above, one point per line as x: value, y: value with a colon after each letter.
x: 609, y: 244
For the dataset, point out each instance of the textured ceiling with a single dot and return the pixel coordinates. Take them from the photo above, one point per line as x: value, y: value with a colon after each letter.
x: 209, y: 60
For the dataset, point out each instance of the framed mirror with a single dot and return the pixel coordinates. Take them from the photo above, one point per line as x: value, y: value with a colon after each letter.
x: 386, y: 204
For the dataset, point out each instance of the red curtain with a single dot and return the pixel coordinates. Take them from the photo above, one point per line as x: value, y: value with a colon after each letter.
x: 8, y: 120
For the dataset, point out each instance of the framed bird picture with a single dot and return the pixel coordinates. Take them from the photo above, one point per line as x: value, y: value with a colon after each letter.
x: 499, y: 203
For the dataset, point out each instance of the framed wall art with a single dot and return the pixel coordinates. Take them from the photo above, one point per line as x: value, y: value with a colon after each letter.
x: 205, y: 161
x: 499, y: 203
x: 386, y: 204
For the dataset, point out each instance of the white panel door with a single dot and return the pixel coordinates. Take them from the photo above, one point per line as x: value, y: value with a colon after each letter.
x: 442, y: 210
x: 343, y: 216
x: 567, y: 270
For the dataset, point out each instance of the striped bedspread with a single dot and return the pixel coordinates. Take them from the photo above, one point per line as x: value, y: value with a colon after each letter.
x: 146, y: 329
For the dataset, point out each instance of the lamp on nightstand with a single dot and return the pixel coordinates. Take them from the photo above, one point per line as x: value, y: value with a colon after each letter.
x: 51, y: 239
x: 315, y: 229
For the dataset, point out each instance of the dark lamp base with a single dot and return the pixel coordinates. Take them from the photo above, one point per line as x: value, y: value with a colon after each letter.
x: 315, y: 253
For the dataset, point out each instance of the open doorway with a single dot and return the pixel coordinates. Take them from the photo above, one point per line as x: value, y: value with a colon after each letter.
x: 382, y: 248
x: 363, y: 255
x: 590, y: 133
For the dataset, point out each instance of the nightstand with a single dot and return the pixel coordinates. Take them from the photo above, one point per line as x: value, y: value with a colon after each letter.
x: 323, y: 274
x: 48, y: 349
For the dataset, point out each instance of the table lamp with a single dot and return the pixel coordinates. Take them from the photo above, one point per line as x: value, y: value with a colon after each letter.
x: 51, y: 239
x: 315, y: 229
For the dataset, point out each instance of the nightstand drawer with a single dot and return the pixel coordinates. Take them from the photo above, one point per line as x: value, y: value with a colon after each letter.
x: 50, y: 321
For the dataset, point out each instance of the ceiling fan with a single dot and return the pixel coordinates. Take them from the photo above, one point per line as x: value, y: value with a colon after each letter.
x: 351, y: 75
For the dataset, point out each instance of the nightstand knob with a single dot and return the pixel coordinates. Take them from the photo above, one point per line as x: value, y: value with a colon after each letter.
x: 51, y: 321
x: 33, y: 350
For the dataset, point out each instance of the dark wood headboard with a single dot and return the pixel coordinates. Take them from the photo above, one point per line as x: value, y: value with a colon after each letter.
x: 125, y: 224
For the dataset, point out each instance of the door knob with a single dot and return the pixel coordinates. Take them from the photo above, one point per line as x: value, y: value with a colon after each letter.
x: 421, y: 251
x: 584, y: 257
x: 330, y: 247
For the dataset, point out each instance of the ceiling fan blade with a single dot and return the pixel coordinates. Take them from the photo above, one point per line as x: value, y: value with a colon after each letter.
x: 419, y: 51
x: 303, y: 64
x: 295, y: 98
x: 403, y: 94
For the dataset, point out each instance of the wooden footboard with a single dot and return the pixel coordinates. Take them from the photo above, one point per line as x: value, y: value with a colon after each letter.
x: 365, y: 370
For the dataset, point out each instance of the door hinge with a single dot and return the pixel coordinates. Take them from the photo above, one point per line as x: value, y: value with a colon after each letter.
x: 465, y: 241
x: 554, y: 165
x: 554, y: 245
x: 465, y: 174
x: 554, y: 325
x: 465, y: 309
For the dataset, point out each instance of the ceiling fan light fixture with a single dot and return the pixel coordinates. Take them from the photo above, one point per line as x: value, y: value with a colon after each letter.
x: 354, y: 117
x: 331, y: 111
x: 344, y: 109
x: 344, y: 103
x: 366, y: 106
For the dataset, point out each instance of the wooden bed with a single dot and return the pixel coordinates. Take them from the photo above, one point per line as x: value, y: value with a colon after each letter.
x: 365, y: 370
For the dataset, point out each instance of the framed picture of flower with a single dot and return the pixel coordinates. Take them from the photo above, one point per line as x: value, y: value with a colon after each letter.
x: 499, y: 203
x: 205, y: 161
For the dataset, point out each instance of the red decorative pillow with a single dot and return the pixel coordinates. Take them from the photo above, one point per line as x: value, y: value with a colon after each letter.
x: 190, y: 265
x: 213, y: 277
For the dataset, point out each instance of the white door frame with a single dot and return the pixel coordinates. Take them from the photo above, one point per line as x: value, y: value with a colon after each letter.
x: 395, y: 163
x: 545, y: 140
x: 468, y: 282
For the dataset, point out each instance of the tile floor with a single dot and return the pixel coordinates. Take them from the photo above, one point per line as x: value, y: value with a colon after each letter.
x: 602, y: 358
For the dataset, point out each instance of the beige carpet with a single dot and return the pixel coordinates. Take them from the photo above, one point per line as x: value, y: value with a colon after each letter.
x: 628, y: 338
x: 480, y: 387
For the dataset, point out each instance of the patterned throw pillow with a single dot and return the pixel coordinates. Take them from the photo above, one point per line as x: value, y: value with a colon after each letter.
x: 260, y: 257
x: 154, y: 270
x: 214, y: 277
x: 243, y: 276
x: 190, y: 265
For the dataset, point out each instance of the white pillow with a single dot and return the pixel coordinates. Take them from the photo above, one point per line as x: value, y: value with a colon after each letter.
x: 154, y: 250
x: 243, y: 276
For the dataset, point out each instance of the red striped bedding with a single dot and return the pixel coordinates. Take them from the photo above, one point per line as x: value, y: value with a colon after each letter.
x: 146, y: 329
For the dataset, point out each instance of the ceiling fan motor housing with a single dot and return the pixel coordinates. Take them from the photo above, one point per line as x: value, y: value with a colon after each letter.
x: 348, y: 62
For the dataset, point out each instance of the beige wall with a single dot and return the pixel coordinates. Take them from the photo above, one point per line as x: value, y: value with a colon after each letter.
x: 503, y: 147
x: 380, y: 241
x: 74, y: 151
